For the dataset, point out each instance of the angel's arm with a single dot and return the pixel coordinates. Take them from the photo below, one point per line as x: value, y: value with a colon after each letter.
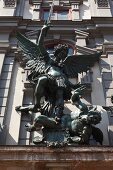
x: 40, y: 41
x: 43, y: 34
x: 74, y: 86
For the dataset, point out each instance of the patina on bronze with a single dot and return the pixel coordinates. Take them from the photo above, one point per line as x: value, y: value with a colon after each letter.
x: 51, y: 74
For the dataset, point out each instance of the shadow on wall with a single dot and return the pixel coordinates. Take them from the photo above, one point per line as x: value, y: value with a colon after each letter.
x: 24, y: 135
x: 107, y: 81
x: 28, y: 11
x: 111, y: 7
x: 85, y: 12
x: 10, y: 108
x: 3, y: 134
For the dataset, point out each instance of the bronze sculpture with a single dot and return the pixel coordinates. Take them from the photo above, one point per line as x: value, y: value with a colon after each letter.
x: 53, y: 71
x: 79, y: 128
x: 50, y: 76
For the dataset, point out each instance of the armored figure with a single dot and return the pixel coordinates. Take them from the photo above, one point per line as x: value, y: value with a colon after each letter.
x: 52, y: 81
x: 51, y: 74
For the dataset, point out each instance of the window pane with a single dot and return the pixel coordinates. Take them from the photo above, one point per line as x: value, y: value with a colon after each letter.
x: 46, y: 15
x: 63, y: 15
x: 70, y: 51
x: 57, y: 15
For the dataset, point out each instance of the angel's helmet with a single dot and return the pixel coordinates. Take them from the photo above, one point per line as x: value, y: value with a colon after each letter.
x: 61, y: 52
x: 75, y: 97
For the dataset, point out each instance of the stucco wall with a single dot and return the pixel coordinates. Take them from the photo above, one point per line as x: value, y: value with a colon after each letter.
x: 5, y: 11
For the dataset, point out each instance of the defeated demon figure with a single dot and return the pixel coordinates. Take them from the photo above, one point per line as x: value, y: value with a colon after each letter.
x: 50, y: 73
x: 80, y: 128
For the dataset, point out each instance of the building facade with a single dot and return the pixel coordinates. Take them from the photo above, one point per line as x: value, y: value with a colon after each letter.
x: 86, y: 26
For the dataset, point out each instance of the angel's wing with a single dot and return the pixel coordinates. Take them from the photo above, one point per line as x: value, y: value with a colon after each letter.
x: 79, y: 63
x: 97, y: 134
x: 37, y: 56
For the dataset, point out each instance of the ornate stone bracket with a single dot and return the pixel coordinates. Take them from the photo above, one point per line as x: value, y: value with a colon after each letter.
x: 10, y: 3
x: 102, y: 3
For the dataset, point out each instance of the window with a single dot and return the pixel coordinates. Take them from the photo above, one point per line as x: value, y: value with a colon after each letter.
x: 45, y: 15
x: 62, y: 15
x: 57, y: 15
x: 71, y: 51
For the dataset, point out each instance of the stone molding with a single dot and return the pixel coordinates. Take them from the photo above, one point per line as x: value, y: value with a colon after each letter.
x: 34, y: 153
x: 108, y: 48
x: 68, y: 158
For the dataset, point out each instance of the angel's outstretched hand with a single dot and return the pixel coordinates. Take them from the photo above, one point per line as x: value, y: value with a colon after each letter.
x: 46, y: 25
x: 80, y: 89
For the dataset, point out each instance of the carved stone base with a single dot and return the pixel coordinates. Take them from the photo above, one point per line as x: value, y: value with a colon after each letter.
x: 56, y: 137
x: 68, y: 158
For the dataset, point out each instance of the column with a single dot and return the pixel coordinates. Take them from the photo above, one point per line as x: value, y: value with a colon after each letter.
x: 36, y: 12
x: 81, y: 37
x: 97, y: 94
x: 2, y: 110
x: 2, y: 56
x: 75, y: 11
x: 15, y: 98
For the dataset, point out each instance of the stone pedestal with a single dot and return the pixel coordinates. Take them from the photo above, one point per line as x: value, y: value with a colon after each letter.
x: 67, y: 158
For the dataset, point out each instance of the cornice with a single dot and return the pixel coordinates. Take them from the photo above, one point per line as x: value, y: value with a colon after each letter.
x: 50, y: 1
x: 96, y: 27
x: 34, y: 157
x: 85, y: 50
x: 31, y: 153
x: 107, y: 48
x: 94, y: 23
x: 3, y: 50
x: 76, y: 1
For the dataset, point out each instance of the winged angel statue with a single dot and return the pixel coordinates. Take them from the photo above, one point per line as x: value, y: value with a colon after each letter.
x: 51, y: 73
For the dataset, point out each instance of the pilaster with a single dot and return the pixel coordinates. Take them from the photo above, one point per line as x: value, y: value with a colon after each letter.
x: 15, y: 97
x: 97, y: 94
x: 75, y: 6
x: 75, y: 11
x: 81, y: 37
x: 2, y: 56
x: 36, y: 11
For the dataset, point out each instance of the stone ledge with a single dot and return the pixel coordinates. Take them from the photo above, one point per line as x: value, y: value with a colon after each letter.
x: 43, y: 158
x: 30, y: 153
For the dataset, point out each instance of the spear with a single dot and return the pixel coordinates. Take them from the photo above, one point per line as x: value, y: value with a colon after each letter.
x: 50, y: 13
x: 46, y: 22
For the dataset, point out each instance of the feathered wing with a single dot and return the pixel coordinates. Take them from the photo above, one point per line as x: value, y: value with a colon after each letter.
x: 97, y: 134
x: 79, y: 63
x: 37, y: 57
